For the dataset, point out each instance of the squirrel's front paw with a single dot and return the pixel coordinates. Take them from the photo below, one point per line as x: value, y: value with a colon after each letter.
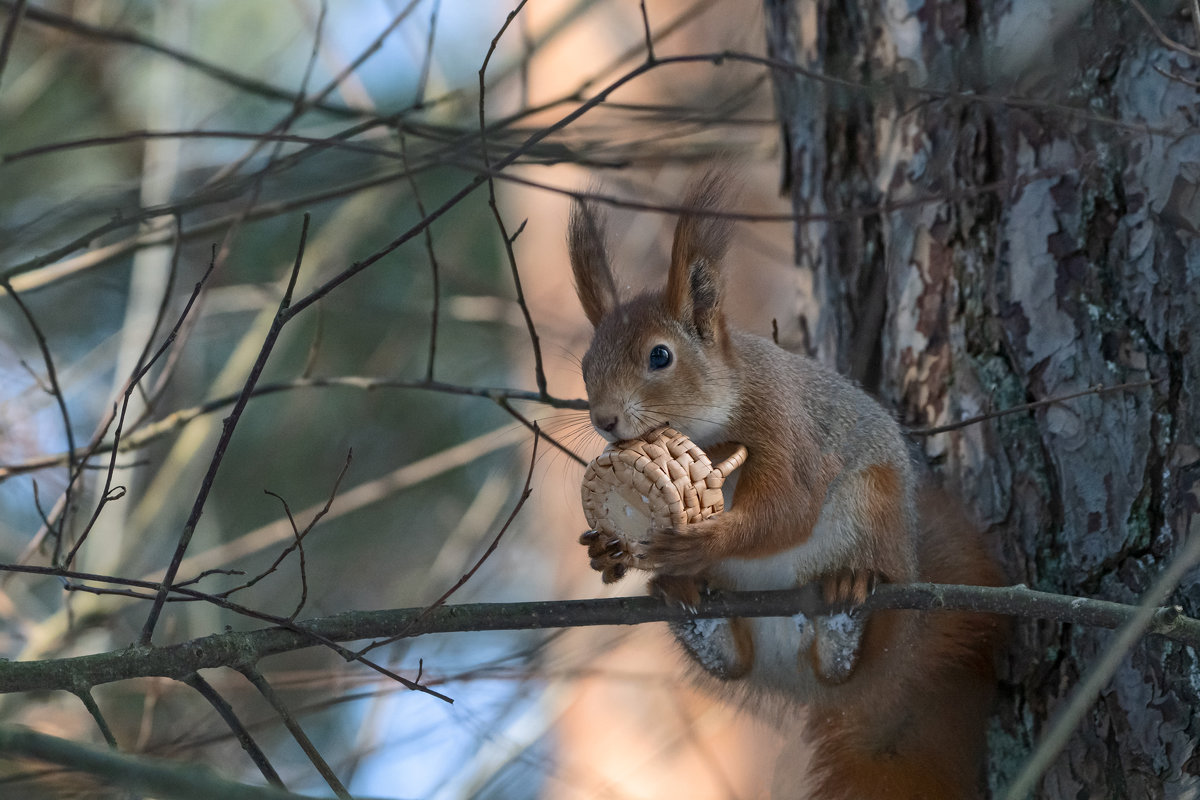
x: 608, y: 555
x: 849, y: 587
x: 836, y: 637
x: 677, y: 590
x: 682, y: 550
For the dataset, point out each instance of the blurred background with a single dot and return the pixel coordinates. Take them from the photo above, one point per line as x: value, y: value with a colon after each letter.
x: 143, y: 143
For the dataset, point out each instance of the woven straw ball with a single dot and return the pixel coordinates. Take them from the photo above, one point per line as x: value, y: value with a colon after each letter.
x: 660, y: 482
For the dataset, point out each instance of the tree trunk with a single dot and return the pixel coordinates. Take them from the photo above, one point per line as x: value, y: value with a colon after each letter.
x: 1006, y: 206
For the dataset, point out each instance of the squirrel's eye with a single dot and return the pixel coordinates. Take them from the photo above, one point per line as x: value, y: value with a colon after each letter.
x: 660, y: 356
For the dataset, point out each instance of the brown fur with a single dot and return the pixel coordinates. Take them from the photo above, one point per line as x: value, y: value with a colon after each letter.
x: 916, y: 730
x: 827, y: 494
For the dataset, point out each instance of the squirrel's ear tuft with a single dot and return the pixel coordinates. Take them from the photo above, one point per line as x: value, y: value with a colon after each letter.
x: 589, y: 261
x: 694, y: 284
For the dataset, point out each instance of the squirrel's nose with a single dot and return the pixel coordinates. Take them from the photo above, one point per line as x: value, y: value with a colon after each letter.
x: 605, y: 422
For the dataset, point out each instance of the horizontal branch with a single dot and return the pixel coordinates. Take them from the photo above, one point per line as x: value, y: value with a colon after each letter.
x: 236, y: 649
x: 157, y: 777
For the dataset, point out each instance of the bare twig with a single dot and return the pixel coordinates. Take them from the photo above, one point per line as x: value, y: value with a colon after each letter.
x: 650, y: 59
x: 434, y: 271
x: 1177, y: 78
x: 61, y: 400
x: 226, y: 712
x: 161, y: 314
x: 491, y: 548
x: 427, y: 61
x: 298, y: 541
x: 1097, y: 389
x: 15, y: 12
x: 302, y: 104
x: 95, y: 445
x: 538, y: 370
x: 1164, y: 40
x: 127, y: 137
x: 228, y: 428
x: 141, y: 368
x: 85, y: 696
x: 297, y: 545
x: 314, y: 755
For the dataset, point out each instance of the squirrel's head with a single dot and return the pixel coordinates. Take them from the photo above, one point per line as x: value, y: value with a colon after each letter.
x: 662, y: 357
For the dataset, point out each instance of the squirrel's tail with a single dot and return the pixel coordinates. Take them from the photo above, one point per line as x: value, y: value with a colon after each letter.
x: 921, y: 731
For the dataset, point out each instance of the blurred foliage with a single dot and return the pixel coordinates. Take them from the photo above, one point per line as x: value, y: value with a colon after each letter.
x: 96, y: 233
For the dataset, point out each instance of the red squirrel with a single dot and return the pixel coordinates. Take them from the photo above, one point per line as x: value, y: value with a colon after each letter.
x: 897, y: 702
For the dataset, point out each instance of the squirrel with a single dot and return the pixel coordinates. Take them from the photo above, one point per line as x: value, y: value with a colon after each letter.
x: 897, y: 702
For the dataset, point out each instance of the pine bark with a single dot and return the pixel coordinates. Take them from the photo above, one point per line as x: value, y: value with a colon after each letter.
x: 999, y: 204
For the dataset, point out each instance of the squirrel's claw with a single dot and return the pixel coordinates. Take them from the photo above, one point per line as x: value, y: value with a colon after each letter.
x: 608, y: 556
x: 677, y: 590
x: 849, y: 587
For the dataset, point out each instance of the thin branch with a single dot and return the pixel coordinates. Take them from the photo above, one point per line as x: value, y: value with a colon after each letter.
x: 160, y: 316
x: 262, y: 137
x: 228, y: 428
x: 646, y: 33
x: 155, y: 777
x: 15, y: 12
x: 354, y: 269
x: 427, y: 61
x: 434, y: 271
x: 491, y: 548
x: 888, y: 206
x: 238, y: 647
x: 1141, y: 619
x: 1099, y: 388
x: 81, y: 458
x: 362, y: 495
x: 301, y: 103
x: 298, y: 546
x: 141, y: 368
x: 298, y: 539
x: 538, y: 369
x: 110, y: 494
x: 61, y: 400
x: 85, y: 696
x: 314, y: 755
x: 1177, y: 78
x: 239, y: 730
x: 1164, y: 40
